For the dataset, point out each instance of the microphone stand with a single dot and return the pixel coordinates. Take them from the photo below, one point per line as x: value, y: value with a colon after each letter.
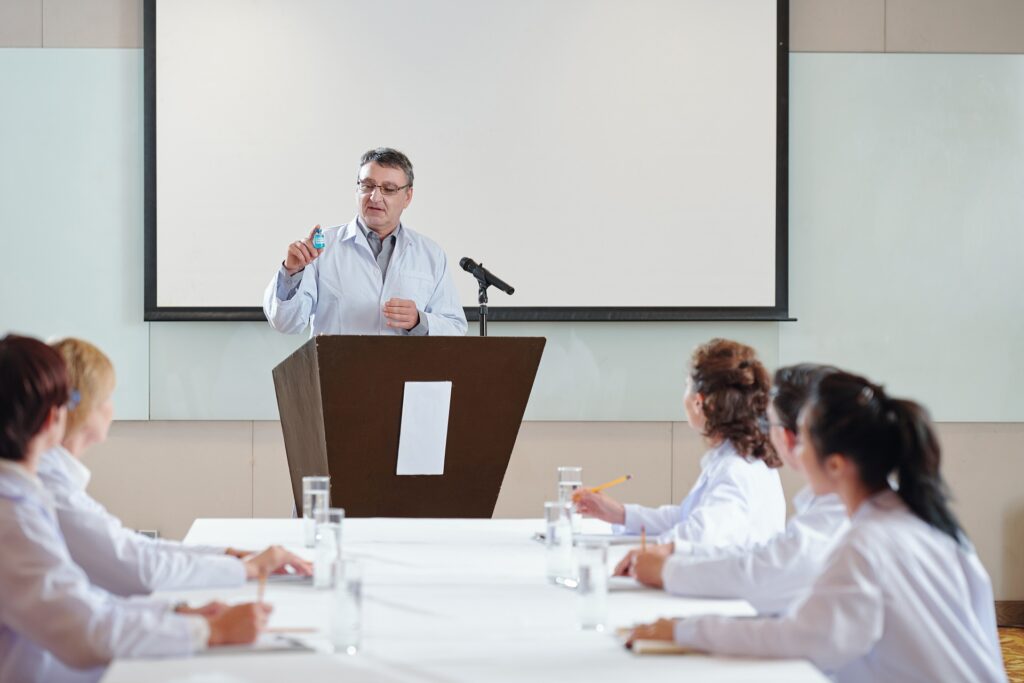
x: 483, y: 308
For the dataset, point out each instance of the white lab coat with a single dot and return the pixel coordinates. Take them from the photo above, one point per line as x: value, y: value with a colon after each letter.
x: 899, y: 602
x: 118, y: 559
x: 54, y: 625
x: 736, y: 501
x: 771, y: 575
x: 343, y: 291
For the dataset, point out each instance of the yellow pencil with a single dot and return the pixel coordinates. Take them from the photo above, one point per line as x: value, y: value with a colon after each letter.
x: 613, y: 482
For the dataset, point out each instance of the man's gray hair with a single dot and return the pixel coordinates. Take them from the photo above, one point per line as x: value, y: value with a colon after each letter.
x: 392, y: 158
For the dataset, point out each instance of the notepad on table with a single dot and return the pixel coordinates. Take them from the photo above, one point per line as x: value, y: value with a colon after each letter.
x: 660, y: 647
x: 654, y: 647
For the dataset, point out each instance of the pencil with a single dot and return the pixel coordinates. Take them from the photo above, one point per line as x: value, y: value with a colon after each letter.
x: 643, y: 539
x: 613, y: 482
x: 261, y: 586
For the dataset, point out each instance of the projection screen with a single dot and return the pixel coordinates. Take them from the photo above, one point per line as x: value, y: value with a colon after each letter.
x: 612, y: 160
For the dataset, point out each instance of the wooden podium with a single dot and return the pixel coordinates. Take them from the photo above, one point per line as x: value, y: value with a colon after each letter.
x: 340, y: 400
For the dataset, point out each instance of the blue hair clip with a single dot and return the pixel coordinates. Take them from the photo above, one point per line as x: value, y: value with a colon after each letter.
x: 74, y: 400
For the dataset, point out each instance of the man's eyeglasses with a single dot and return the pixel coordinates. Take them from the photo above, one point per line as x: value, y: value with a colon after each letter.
x: 367, y: 187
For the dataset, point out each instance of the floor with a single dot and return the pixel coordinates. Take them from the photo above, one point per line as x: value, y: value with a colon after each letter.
x: 1012, y: 640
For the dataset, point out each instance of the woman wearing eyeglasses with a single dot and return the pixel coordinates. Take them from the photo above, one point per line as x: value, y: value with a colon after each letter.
x: 371, y: 276
x: 771, y: 575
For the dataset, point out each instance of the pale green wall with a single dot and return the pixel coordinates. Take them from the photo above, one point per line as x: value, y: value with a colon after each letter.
x: 907, y: 220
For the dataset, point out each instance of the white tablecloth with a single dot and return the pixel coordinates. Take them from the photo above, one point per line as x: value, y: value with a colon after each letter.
x: 450, y: 601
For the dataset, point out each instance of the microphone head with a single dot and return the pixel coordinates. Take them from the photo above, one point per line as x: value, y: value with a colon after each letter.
x: 468, y: 264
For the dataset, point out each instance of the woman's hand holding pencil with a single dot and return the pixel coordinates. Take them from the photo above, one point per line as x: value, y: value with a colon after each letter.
x: 650, y: 559
x: 593, y: 503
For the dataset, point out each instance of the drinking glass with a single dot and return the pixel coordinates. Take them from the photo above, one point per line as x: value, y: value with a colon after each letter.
x: 558, y: 541
x: 346, y: 623
x: 328, y: 546
x: 316, y: 495
x: 592, y: 584
x: 569, y: 480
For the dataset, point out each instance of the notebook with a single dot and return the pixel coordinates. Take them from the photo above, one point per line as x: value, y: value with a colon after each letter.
x: 653, y: 647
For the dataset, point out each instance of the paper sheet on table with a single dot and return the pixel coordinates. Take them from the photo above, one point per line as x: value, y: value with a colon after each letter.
x: 267, y: 642
x: 424, y: 432
x: 610, y: 539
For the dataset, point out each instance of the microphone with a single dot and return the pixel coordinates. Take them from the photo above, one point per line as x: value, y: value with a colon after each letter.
x: 486, y: 277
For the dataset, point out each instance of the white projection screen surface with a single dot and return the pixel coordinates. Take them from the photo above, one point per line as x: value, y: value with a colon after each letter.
x: 609, y: 159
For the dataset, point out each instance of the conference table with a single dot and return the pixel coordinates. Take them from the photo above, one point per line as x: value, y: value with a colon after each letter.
x: 448, y: 601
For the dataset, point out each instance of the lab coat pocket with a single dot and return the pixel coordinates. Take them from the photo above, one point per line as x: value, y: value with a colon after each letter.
x: 416, y: 286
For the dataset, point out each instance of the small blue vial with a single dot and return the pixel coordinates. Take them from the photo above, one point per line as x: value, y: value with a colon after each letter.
x: 318, y: 239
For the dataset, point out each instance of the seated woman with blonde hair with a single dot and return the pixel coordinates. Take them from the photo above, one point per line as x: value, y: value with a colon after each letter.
x: 115, y: 558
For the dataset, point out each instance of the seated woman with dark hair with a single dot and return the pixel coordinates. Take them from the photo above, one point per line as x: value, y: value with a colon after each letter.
x: 903, y: 597
x: 52, y: 620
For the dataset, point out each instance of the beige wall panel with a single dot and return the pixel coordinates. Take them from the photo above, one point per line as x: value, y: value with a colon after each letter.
x: 271, y: 482
x: 995, y: 26
x: 163, y: 475
x: 688, y: 448
x: 605, y: 450
x: 21, y: 23
x: 837, y: 25
x: 984, y: 467
x: 92, y: 23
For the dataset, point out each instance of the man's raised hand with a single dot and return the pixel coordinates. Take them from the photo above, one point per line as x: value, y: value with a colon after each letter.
x: 301, y: 253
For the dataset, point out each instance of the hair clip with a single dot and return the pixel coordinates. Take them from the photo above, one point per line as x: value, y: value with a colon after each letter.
x: 867, y: 395
x: 74, y: 399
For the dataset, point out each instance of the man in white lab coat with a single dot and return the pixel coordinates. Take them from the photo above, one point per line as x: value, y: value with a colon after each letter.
x: 371, y: 276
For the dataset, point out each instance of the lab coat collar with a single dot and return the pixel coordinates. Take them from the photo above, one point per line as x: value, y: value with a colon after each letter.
x: 719, y: 451
x: 75, y: 470
x: 803, y: 500
x: 886, y: 499
x: 353, y: 230
x: 16, y: 479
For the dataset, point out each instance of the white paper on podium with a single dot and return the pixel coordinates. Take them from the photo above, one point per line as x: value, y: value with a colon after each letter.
x: 424, y: 432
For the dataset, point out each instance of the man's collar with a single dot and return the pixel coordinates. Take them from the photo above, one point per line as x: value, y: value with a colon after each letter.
x: 367, y: 232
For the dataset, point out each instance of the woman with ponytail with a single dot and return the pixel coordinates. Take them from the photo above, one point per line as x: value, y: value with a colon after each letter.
x: 904, y: 597
x: 737, y: 500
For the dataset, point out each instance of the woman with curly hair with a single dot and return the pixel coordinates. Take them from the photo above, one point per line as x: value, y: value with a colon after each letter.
x: 737, y: 499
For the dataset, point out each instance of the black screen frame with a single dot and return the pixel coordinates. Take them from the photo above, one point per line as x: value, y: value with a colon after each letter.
x: 498, y: 313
